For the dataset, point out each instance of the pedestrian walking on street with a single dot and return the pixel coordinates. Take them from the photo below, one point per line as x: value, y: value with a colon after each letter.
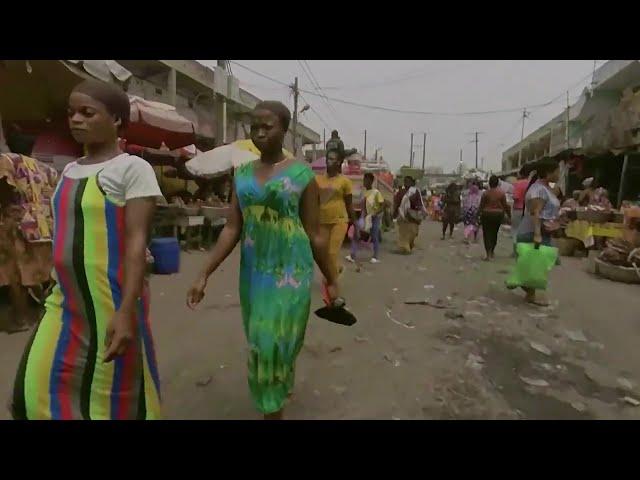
x: 410, y: 213
x: 92, y: 355
x: 335, y: 143
x: 471, y: 213
x: 274, y: 214
x: 541, y: 216
x: 336, y: 211
x: 519, y: 190
x: 493, y: 209
x: 451, y: 209
x: 371, y: 218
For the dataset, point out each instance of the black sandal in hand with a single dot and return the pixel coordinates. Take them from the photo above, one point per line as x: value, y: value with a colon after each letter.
x: 337, y: 313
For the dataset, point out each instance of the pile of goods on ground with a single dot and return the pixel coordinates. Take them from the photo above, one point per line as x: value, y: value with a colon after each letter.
x: 619, y: 261
x: 620, y: 253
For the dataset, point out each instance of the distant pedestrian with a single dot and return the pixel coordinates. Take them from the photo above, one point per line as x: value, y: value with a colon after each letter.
x: 335, y: 143
x: 471, y: 213
x: 371, y: 218
x: 451, y: 209
x: 519, y: 190
x: 410, y: 213
x: 493, y: 209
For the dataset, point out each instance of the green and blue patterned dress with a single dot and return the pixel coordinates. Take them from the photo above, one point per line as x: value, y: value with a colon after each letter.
x: 276, y: 270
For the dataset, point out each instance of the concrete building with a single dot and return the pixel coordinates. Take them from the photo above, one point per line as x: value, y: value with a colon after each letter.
x: 605, y: 118
x: 210, y: 97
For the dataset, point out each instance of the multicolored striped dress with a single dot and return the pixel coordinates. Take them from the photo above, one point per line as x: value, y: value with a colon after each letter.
x: 62, y: 374
x: 276, y: 270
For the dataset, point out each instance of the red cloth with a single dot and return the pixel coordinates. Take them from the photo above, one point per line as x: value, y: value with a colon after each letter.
x: 519, y: 190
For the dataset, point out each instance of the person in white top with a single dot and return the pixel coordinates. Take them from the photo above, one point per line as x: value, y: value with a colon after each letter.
x: 96, y: 318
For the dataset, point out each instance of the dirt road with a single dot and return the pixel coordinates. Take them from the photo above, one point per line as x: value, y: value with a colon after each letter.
x: 486, y: 356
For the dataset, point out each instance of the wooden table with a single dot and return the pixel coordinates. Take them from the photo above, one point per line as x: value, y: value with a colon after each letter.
x: 192, y: 226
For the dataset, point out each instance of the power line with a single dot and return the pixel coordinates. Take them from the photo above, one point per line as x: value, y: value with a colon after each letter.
x: 317, y: 114
x: 316, y: 86
x: 319, y: 89
x: 421, y: 112
x: 411, y: 112
x: 261, y: 74
x: 412, y: 74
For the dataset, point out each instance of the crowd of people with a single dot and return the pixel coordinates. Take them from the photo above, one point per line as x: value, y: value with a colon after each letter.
x: 92, y: 355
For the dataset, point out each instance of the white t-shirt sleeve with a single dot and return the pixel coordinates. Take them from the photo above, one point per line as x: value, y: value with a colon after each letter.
x: 139, y: 180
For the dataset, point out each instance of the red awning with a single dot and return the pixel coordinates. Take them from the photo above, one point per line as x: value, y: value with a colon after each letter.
x: 155, y: 123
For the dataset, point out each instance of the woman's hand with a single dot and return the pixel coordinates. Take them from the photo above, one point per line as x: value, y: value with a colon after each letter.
x: 195, y: 294
x: 537, y: 238
x: 333, y: 292
x: 120, y: 334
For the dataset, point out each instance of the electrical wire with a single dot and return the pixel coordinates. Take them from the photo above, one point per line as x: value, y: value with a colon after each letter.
x: 316, y: 86
x: 411, y: 75
x: 420, y: 112
x: 317, y: 114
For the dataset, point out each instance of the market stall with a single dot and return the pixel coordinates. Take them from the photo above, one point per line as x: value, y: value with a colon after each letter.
x: 590, y: 224
x: 194, y: 207
x: 26, y: 226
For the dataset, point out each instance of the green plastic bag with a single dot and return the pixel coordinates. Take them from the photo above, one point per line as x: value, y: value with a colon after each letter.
x: 533, y: 266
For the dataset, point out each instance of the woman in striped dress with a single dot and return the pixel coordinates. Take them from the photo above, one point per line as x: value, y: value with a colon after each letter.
x: 92, y: 355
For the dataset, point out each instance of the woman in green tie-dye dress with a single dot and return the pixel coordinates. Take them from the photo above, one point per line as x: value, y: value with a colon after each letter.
x: 275, y: 211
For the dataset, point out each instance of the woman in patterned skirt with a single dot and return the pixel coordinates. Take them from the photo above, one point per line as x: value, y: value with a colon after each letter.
x: 275, y: 214
x: 92, y: 356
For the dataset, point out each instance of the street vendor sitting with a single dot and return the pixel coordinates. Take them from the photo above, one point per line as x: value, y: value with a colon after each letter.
x: 600, y: 198
x: 587, y: 192
x: 569, y: 205
x: 573, y: 202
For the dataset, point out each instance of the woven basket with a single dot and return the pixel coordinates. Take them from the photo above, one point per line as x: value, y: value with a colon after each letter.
x: 616, y: 273
x: 567, y: 246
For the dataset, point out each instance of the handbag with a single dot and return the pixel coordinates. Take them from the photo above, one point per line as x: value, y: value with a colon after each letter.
x: 416, y: 215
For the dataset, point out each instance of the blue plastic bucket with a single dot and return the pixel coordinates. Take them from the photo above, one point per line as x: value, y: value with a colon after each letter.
x: 166, y: 254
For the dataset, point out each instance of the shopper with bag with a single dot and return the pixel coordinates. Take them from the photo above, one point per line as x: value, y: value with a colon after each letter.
x: 370, y: 219
x: 540, y: 220
x: 411, y: 212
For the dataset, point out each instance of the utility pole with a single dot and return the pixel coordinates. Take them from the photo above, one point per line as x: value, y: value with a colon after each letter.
x: 567, y: 125
x: 295, y: 115
x: 221, y: 110
x: 411, y: 153
x: 424, y: 149
x: 324, y: 138
x: 524, y: 116
x: 365, y: 145
x: 476, y: 142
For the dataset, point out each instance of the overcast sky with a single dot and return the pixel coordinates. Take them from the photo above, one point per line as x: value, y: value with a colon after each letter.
x: 427, y: 86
